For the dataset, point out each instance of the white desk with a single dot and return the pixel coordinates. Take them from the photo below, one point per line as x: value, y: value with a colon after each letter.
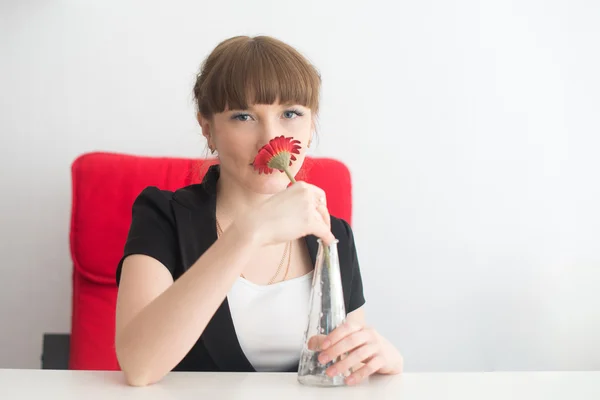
x: 77, y: 385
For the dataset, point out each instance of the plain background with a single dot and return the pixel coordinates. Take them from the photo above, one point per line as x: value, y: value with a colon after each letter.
x: 471, y: 129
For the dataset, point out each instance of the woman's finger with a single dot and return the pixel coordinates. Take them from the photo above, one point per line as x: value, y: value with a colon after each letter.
x: 339, y: 333
x: 314, y: 343
x: 355, y: 357
x: 322, y: 209
x: 321, y: 229
x: 372, y: 366
x: 323, y: 232
x: 347, y: 344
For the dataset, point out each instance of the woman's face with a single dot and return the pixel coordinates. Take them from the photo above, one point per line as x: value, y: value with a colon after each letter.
x: 238, y: 135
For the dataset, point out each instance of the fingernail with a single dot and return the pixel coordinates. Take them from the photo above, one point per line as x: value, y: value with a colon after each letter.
x: 325, y: 344
x: 350, y: 381
x: 324, y: 358
x: 332, y: 372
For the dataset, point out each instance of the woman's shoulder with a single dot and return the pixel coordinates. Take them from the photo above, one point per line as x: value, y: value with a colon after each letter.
x: 152, y: 202
x: 153, y: 194
x: 190, y: 196
x: 341, y: 230
x: 349, y: 264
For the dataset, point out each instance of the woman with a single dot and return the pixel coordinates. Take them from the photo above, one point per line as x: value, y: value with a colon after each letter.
x: 204, y: 265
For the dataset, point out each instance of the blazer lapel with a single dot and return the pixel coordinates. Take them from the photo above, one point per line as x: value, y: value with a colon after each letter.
x: 222, y: 342
x: 196, y: 225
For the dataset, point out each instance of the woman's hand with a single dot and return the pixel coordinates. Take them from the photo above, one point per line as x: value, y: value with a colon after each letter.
x: 299, y: 210
x: 368, y: 353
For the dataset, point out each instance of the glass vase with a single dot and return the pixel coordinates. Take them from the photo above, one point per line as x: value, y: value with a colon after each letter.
x: 326, y: 312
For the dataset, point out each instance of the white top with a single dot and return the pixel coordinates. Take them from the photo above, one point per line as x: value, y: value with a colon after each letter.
x: 98, y: 385
x: 270, y: 321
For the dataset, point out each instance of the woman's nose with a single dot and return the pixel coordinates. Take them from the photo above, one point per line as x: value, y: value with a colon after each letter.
x: 268, y: 131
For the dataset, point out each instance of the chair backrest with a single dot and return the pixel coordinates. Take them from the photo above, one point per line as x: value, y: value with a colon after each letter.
x: 104, y: 188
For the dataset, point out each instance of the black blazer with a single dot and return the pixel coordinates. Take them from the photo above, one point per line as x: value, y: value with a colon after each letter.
x: 176, y: 228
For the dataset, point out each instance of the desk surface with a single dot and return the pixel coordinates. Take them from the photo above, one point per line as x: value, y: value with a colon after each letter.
x: 67, y: 385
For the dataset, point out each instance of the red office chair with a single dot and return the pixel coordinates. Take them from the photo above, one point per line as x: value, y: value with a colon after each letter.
x: 104, y: 188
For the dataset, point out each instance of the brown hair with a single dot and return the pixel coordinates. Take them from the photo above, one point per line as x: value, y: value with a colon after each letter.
x: 262, y: 70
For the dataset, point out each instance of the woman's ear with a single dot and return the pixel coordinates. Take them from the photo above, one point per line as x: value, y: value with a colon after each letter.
x: 205, y: 126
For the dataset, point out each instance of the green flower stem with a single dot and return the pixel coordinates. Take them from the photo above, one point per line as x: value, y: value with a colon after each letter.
x: 289, y: 175
x: 325, y: 247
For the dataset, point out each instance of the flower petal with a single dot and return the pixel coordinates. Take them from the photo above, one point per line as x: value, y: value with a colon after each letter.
x: 281, y: 148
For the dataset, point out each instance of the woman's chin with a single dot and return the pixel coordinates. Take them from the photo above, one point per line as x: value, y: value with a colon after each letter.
x: 269, y: 183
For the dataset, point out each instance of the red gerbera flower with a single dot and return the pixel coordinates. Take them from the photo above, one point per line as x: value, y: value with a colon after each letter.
x: 277, y: 154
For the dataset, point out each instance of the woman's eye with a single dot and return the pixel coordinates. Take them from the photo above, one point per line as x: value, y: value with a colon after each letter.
x: 291, y: 114
x: 241, y: 117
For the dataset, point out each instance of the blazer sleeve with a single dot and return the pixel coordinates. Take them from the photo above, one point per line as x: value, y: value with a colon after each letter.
x: 357, y: 298
x: 152, y: 230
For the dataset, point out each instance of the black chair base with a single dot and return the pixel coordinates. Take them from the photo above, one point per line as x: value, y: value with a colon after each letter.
x: 55, y: 351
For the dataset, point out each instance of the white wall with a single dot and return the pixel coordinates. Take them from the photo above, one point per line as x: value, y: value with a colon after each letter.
x: 471, y: 129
